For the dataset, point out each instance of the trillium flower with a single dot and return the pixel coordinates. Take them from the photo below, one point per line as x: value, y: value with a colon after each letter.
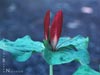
x: 53, y: 32
x: 58, y: 49
x: 54, y: 49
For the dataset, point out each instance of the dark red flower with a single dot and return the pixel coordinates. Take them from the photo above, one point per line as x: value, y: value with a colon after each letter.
x: 46, y: 24
x: 53, y: 33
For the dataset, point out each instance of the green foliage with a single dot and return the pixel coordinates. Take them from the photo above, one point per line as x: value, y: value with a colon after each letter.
x: 86, y: 70
x: 68, y: 50
x: 79, y: 42
x: 22, y: 48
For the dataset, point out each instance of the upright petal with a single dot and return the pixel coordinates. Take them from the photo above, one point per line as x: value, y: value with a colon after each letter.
x: 56, y: 28
x: 46, y: 24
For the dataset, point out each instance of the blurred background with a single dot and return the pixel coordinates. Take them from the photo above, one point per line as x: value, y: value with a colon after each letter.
x: 25, y: 17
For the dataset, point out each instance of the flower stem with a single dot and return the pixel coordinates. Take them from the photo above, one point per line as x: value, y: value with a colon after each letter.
x: 50, y: 69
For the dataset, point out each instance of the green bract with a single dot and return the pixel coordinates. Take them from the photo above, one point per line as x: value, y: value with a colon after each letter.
x: 68, y: 49
x: 22, y: 48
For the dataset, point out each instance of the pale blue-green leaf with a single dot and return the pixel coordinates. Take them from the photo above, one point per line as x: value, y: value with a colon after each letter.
x: 22, y: 57
x: 59, y: 57
x: 65, y: 55
x: 86, y: 70
x: 83, y: 57
x: 72, y: 49
x: 21, y: 46
x: 79, y: 42
x: 62, y: 40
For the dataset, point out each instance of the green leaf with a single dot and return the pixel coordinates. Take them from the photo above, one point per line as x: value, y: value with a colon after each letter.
x: 65, y: 55
x: 72, y: 49
x: 22, y: 48
x: 22, y: 57
x: 63, y: 40
x: 79, y: 42
x: 58, y: 57
x: 86, y: 70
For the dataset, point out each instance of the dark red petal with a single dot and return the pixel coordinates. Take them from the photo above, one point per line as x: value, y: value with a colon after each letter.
x: 46, y: 24
x: 56, y: 28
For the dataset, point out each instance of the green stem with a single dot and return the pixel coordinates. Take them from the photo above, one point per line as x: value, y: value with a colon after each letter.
x: 99, y: 68
x: 50, y: 69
